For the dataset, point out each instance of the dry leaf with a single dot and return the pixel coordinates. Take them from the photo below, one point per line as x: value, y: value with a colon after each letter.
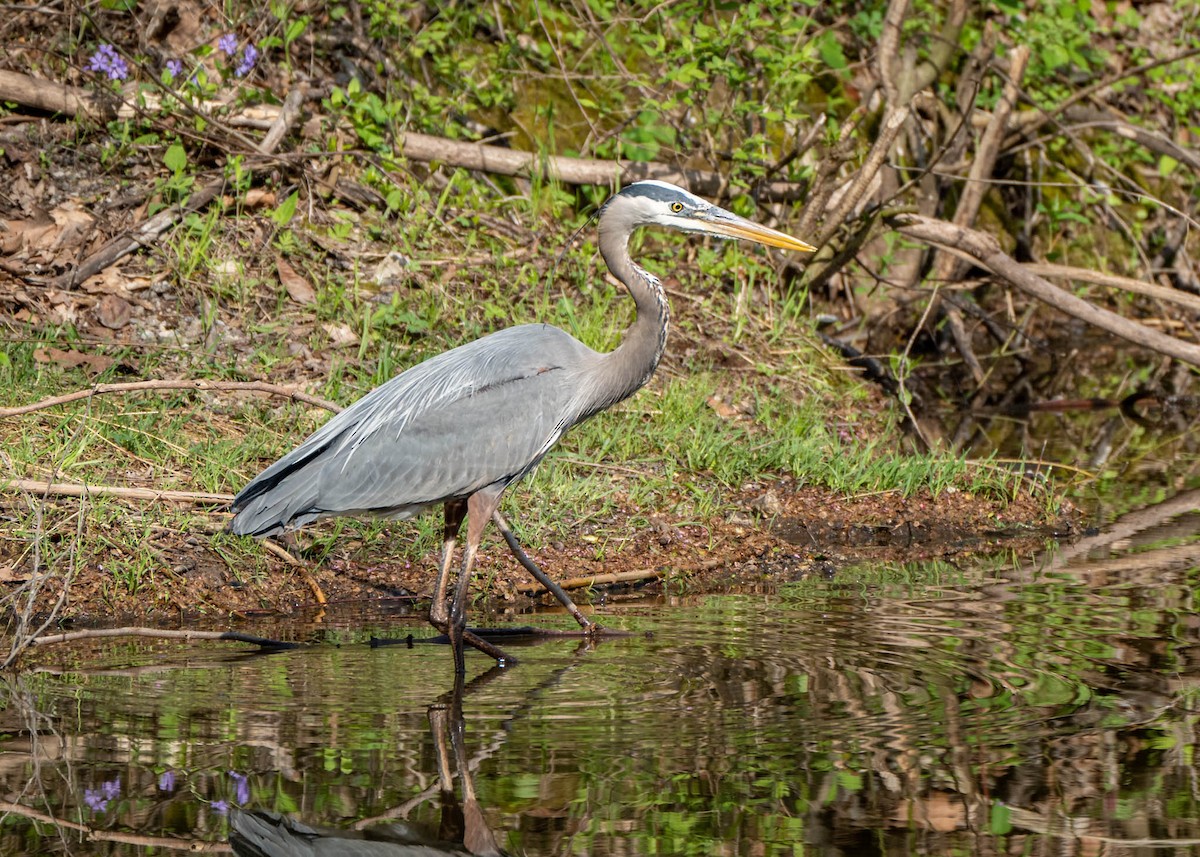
x: 94, y: 363
x: 57, y: 235
x: 258, y: 198
x: 8, y: 574
x: 341, y: 334
x: 391, y: 268
x: 723, y: 408
x: 112, y: 281
x: 298, y: 288
x: 113, y: 312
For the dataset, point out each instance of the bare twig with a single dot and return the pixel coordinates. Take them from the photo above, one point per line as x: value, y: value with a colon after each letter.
x: 948, y: 268
x: 200, y: 385
x: 617, y: 577
x: 892, y: 123
x: 69, y: 489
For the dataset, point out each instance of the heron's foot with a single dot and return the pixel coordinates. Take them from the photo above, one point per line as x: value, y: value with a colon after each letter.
x: 473, y: 640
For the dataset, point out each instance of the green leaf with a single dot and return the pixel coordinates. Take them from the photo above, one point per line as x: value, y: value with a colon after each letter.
x: 1166, y: 165
x: 294, y: 30
x: 1001, y: 820
x: 286, y: 210
x: 1055, y: 56
x: 175, y: 158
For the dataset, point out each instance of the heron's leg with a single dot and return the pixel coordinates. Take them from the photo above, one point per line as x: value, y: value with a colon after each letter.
x: 439, y: 609
x: 439, y: 613
x: 539, y: 575
x: 480, y: 506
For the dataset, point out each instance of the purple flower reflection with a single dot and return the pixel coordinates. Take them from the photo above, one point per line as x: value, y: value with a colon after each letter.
x: 241, y: 787
x: 221, y: 806
x: 166, y: 781
x: 97, y: 799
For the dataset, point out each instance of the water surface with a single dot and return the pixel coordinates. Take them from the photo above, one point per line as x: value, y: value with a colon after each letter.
x: 1016, y: 706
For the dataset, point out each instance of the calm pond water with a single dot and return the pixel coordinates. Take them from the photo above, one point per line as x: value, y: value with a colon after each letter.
x: 1030, y: 706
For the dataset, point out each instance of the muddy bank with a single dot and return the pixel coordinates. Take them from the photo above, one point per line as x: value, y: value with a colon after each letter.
x: 783, y: 533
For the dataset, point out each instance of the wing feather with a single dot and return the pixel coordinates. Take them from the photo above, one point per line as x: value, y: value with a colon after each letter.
x: 480, y: 414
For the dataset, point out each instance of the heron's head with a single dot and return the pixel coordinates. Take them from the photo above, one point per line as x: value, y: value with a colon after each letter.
x: 656, y: 203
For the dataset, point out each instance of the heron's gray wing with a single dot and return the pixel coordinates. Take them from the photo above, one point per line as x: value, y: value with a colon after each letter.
x: 480, y: 414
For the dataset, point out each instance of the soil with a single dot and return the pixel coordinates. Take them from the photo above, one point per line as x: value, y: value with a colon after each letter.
x: 786, y: 533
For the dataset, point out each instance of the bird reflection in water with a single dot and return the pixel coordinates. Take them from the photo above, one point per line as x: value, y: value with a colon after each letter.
x: 463, y: 829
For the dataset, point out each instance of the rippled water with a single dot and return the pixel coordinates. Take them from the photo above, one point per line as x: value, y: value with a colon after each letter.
x: 1029, y: 707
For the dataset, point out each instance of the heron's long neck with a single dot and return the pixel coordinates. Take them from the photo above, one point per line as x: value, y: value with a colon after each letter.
x: 633, y: 362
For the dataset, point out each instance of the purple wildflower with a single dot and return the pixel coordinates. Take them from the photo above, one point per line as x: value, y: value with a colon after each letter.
x: 249, y: 58
x: 166, y: 781
x: 111, y: 788
x: 107, y: 61
x: 174, y: 68
x: 242, y: 787
x: 227, y: 44
x: 221, y: 806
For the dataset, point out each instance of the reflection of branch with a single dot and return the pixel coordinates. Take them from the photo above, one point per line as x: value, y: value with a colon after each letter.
x: 232, y: 636
x: 95, y: 835
x: 1130, y: 525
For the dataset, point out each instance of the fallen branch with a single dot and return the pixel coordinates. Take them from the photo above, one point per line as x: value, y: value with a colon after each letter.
x: 1115, y: 281
x: 616, y: 577
x: 511, y: 162
x: 158, y: 633
x: 985, y: 250
x: 144, y: 235
x: 225, y: 386
x: 70, y: 489
x: 52, y: 97
x: 76, y: 101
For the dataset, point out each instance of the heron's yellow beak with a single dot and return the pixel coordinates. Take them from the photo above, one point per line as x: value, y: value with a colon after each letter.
x: 718, y: 221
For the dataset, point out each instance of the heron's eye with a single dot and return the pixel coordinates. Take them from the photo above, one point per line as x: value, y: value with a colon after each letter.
x: 677, y: 207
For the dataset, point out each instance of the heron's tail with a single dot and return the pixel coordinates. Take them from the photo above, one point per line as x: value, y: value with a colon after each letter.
x: 282, y: 496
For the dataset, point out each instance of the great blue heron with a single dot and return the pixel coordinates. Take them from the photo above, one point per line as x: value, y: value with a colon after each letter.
x: 461, y: 427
